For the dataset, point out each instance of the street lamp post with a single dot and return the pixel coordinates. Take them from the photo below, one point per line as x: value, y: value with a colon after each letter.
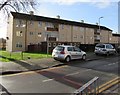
x: 99, y: 23
x: 47, y: 40
x: 99, y: 27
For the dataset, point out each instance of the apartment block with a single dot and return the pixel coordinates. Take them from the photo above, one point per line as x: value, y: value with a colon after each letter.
x: 115, y: 38
x: 2, y: 43
x: 29, y: 29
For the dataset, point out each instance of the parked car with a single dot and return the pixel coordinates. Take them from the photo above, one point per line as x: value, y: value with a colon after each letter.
x: 68, y: 53
x: 118, y: 49
x: 105, y: 49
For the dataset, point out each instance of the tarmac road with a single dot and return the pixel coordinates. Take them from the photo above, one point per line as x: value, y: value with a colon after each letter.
x: 64, y: 79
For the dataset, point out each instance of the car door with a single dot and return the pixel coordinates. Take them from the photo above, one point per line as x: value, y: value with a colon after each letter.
x: 110, y: 49
x: 71, y: 52
x: 78, y: 53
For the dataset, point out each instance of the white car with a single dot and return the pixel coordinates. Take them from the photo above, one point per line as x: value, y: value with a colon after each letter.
x: 105, y: 49
x: 68, y: 53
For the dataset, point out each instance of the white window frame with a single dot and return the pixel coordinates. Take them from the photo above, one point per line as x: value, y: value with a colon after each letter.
x: 20, y: 23
x: 39, y: 34
x: 49, y: 24
x: 31, y: 33
x: 19, y: 45
x: 39, y: 23
x: 19, y: 33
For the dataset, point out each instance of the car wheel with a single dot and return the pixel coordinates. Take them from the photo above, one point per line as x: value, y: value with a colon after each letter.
x: 96, y: 54
x: 67, y: 59
x: 84, y: 57
x: 115, y: 52
x: 107, y: 53
x: 55, y: 58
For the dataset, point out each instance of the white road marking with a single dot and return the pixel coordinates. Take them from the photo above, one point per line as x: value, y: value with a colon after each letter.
x: 72, y: 74
x: 111, y: 64
x: 77, y: 72
x: 47, y: 80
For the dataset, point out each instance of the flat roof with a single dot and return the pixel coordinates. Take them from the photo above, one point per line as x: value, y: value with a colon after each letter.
x: 55, y: 20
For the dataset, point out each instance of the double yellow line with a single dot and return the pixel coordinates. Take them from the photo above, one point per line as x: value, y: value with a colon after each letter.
x: 108, y: 84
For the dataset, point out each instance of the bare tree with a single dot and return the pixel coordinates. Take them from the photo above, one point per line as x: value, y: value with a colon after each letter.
x: 7, y: 5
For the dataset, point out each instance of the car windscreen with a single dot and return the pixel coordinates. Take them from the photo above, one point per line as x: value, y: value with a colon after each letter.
x: 100, y: 46
x: 59, y: 48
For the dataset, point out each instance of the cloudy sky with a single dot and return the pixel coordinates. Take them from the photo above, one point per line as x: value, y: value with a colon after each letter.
x: 75, y: 10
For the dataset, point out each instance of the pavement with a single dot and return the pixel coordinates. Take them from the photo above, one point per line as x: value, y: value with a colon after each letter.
x: 17, y: 66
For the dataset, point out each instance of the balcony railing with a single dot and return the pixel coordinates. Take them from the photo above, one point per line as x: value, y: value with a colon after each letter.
x: 51, y: 29
x: 97, y: 37
x: 97, y: 33
x: 97, y: 41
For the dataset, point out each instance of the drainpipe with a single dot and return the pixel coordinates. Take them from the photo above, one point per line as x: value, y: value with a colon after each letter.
x: 71, y: 33
x: 26, y: 37
x: 108, y: 36
x: 84, y: 35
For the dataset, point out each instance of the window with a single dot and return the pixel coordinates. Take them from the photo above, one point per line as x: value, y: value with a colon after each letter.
x: 39, y: 23
x: 19, y: 33
x: 98, y: 37
x: 59, y: 48
x: 31, y: 33
x: 70, y: 48
x: 109, y: 46
x: 19, y: 45
x: 48, y: 24
x: 100, y: 46
x: 76, y: 49
x: 39, y: 34
x: 20, y: 23
x: 52, y: 38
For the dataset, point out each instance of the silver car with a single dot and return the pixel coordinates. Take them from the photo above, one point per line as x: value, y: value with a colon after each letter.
x: 68, y: 53
x: 105, y: 49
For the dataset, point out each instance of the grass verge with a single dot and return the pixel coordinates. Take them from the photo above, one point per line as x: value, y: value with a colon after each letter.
x: 8, y: 56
